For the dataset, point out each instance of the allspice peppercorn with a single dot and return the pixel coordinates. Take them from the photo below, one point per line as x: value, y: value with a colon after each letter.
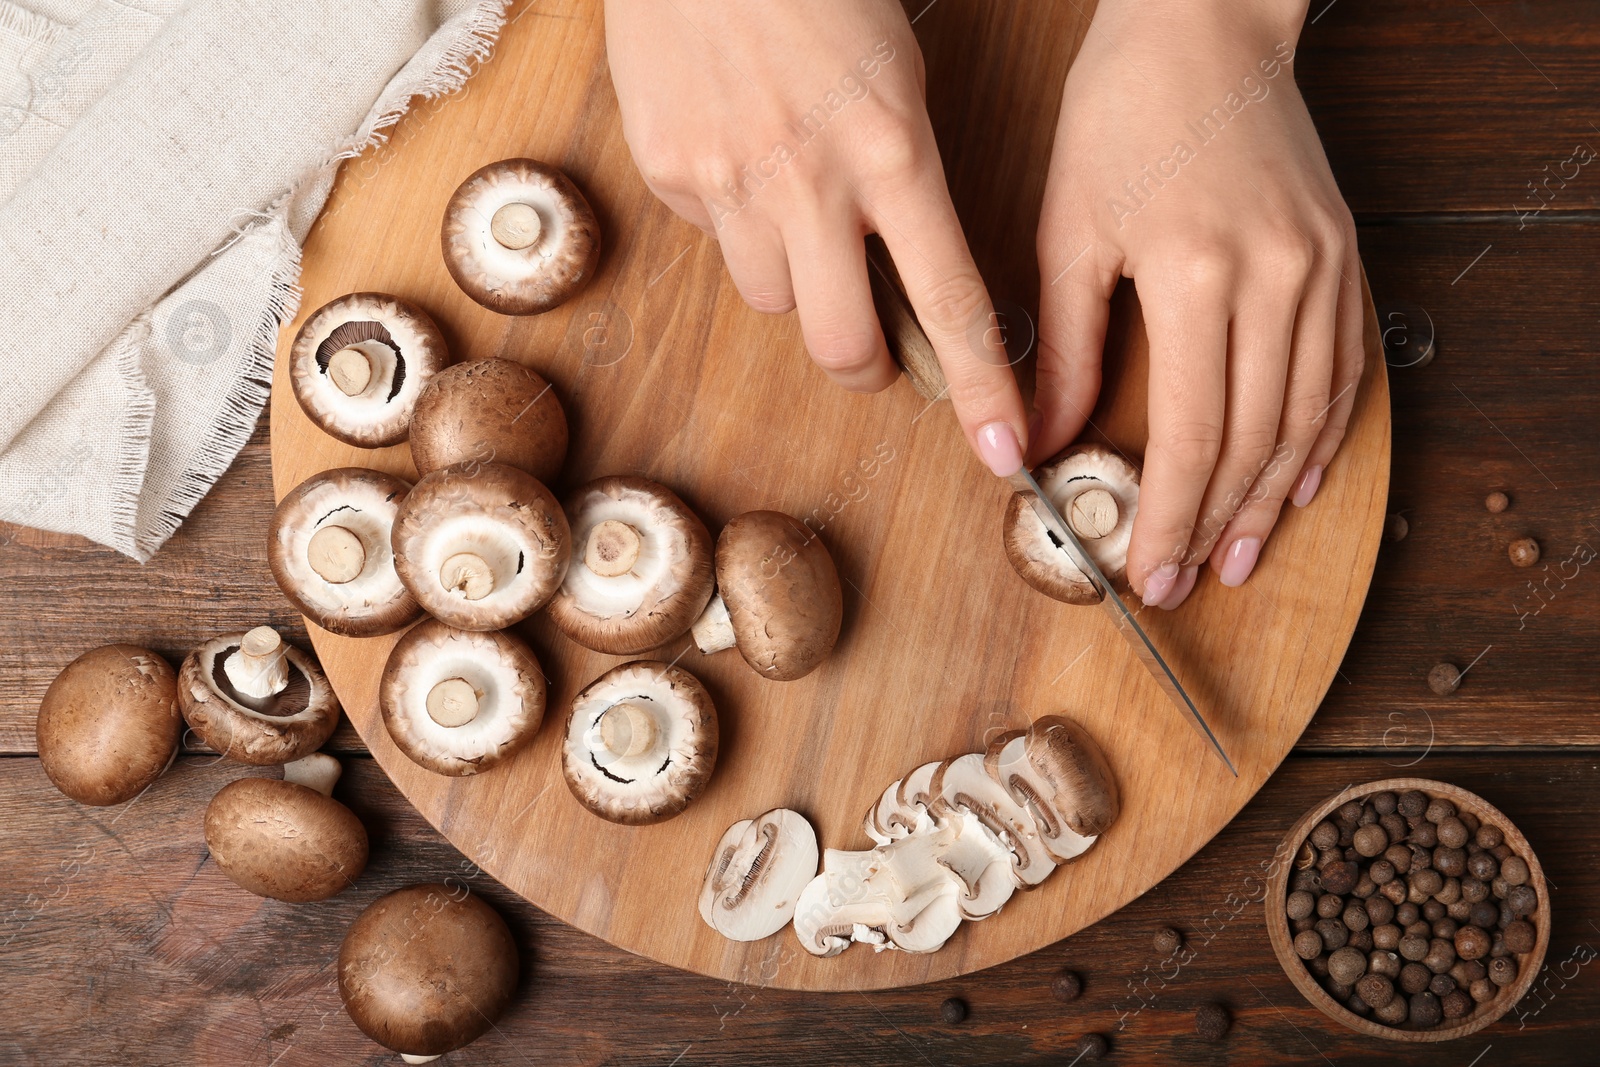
x: 1483, y: 990
x: 1346, y: 965
x: 1453, y: 833
x: 1483, y: 866
x: 1067, y: 986
x: 1456, y: 1005
x: 1211, y: 1021
x: 1092, y: 1047
x: 1441, y: 956
x: 1503, y: 970
x: 1489, y: 836
x: 1333, y: 933
x: 1339, y: 877
x: 1371, y: 840
x: 1522, y: 901
x: 1324, y: 835
x: 1167, y: 941
x: 1375, y: 989
x: 1425, y: 1010
x: 1413, y: 947
x: 1412, y: 803
x: 1514, y: 870
x: 1524, y: 552
x: 1396, y: 527
x: 1330, y: 906
x: 1299, y: 904
x: 1442, y: 985
x: 1519, y: 936
x: 953, y: 1011
x: 1496, y: 502
x: 1444, y: 679
x: 1308, y: 944
x: 1472, y: 943
x: 1393, y: 1013
x: 1386, y: 937
x: 1414, y: 978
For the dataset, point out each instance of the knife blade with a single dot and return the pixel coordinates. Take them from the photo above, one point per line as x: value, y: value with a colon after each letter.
x: 1121, y: 616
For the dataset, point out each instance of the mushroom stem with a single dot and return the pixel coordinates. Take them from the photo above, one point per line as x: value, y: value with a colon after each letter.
x: 318, y: 771
x: 516, y: 226
x: 468, y: 574
x: 453, y: 702
x: 259, y: 668
x: 627, y: 729
x: 613, y: 549
x: 713, y: 630
x: 406, y: 1057
x: 1093, y: 513
x: 350, y: 370
x: 336, y: 554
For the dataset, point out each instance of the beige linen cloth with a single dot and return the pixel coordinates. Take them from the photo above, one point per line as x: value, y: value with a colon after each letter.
x: 160, y: 164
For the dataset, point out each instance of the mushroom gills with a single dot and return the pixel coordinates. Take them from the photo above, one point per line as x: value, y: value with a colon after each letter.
x: 1021, y: 779
x: 363, y: 360
x: 757, y: 872
x: 964, y: 786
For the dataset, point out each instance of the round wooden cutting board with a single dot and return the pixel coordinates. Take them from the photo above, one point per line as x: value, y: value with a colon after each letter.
x: 665, y: 373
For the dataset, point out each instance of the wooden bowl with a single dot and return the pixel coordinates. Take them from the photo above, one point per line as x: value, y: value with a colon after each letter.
x: 1528, y: 963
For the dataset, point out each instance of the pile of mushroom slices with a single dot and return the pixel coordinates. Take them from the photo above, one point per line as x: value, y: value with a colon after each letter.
x: 955, y: 838
x: 1096, y: 490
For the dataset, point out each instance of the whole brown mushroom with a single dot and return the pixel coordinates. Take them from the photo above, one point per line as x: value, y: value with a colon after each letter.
x: 254, y: 698
x: 427, y: 969
x: 490, y: 410
x: 109, y: 724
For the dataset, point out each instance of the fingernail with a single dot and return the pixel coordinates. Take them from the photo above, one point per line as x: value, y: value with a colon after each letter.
x: 1306, y: 487
x: 1182, y: 589
x: 1240, y: 561
x: 998, y: 447
x: 1159, y: 583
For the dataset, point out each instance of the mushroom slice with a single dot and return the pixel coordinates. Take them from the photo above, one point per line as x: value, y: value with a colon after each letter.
x: 894, y: 896
x: 109, y: 725
x: 281, y: 726
x: 1057, y: 772
x: 963, y: 786
x: 903, y: 807
x: 481, y: 545
x: 330, y: 552
x: 358, y: 364
x: 289, y: 839
x: 490, y: 410
x: 756, y: 875
x: 460, y: 701
x: 1097, y: 492
x: 641, y: 567
x: 778, y: 597
x: 641, y: 742
x: 519, y: 238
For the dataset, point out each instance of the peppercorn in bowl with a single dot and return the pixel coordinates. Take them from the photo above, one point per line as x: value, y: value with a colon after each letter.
x: 1408, y: 909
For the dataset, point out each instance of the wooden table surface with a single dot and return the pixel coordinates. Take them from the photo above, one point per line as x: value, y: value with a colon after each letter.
x: 121, y: 943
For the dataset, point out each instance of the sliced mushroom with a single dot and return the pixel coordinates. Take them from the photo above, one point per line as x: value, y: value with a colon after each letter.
x: 481, y: 545
x: 329, y: 548
x: 903, y: 808
x: 359, y: 362
x: 756, y: 874
x: 519, y: 238
x: 490, y: 410
x: 641, y: 742
x: 460, y: 701
x: 778, y: 597
x: 427, y: 969
x: 1057, y: 773
x: 963, y: 785
x: 894, y: 896
x: 287, y: 839
x: 109, y: 725
x: 259, y: 724
x: 641, y: 567
x: 1097, y: 492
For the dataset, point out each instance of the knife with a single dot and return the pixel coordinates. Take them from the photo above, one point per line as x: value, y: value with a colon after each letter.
x: 910, y: 346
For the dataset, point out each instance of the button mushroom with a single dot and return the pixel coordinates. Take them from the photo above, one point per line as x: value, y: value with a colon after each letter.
x: 109, y: 725
x: 256, y: 699
x: 756, y: 874
x: 427, y: 969
x: 287, y: 839
x: 358, y: 364
x: 641, y: 743
x: 1097, y: 492
x: 641, y: 567
x: 519, y: 238
x: 778, y: 597
x: 1057, y: 772
x: 329, y: 548
x: 481, y: 545
x: 460, y: 701
x: 490, y: 410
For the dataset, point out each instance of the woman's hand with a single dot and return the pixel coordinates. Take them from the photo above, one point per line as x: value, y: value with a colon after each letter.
x: 1185, y: 159
x: 789, y: 132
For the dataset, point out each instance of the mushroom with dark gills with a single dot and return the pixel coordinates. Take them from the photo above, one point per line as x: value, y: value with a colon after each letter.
x: 778, y: 598
x: 460, y: 701
x: 519, y: 238
x: 756, y: 874
x: 255, y: 698
x: 1097, y: 491
x: 641, y: 567
x: 329, y: 548
x: 641, y: 742
x: 481, y: 545
x: 1059, y: 774
x: 109, y: 725
x: 490, y: 410
x: 358, y: 364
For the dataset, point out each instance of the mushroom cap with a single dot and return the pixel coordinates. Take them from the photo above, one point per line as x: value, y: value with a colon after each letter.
x: 499, y: 514
x: 520, y: 281
x: 501, y: 669
x: 295, y: 723
x: 364, y: 502
x: 490, y: 410
x: 782, y: 593
x: 1059, y: 774
x: 665, y: 590
x: 660, y: 782
x: 109, y: 724
x: 403, y: 349
x: 1031, y: 546
x: 282, y: 840
x: 427, y: 969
